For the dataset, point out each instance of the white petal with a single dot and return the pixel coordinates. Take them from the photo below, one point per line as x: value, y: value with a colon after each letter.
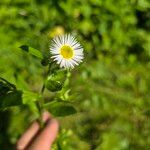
x: 62, y: 64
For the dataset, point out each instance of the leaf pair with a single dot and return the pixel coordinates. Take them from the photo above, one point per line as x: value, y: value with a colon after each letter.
x: 10, y: 96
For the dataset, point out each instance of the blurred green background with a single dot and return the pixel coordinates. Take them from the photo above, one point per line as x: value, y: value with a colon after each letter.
x: 111, y: 88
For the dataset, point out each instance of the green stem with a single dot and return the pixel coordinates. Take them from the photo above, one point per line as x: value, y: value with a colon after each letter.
x: 40, y: 104
x: 43, y: 88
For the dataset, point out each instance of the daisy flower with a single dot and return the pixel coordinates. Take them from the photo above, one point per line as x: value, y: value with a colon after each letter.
x: 66, y: 51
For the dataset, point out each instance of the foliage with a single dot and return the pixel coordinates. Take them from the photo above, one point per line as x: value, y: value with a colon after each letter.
x: 110, y: 90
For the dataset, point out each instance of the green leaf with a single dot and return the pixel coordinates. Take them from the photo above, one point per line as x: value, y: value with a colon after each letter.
x: 9, y: 95
x: 29, y: 97
x: 32, y: 51
x: 60, y: 108
x: 13, y: 98
x: 6, y: 86
x: 8, y: 83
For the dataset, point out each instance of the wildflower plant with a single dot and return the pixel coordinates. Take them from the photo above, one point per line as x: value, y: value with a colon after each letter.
x: 65, y: 53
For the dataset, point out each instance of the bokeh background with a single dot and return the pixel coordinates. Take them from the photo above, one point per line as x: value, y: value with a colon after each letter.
x: 112, y: 86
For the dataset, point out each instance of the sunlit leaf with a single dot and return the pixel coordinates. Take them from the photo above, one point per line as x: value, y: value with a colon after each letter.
x: 29, y: 97
x: 32, y: 51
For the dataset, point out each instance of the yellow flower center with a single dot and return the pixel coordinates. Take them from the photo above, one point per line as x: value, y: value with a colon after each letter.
x: 66, y: 51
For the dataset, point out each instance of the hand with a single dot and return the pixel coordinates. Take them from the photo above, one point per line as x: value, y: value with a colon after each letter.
x: 36, y: 139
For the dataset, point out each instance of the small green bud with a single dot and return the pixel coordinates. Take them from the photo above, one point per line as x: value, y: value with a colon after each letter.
x: 53, y: 85
x: 45, y: 61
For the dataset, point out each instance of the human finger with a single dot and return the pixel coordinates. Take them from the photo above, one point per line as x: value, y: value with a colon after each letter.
x: 46, y: 137
x: 31, y: 132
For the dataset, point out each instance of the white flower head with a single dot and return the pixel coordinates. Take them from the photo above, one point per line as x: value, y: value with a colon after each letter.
x: 66, y: 51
